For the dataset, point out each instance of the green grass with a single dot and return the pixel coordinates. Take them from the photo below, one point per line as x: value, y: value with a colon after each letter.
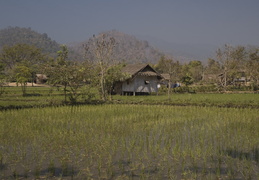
x: 222, y: 100
x: 190, y: 136
x: 12, y: 97
x: 32, y: 90
x: 130, y: 142
x: 46, y: 96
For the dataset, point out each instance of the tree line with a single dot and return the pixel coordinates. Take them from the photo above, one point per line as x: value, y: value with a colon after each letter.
x: 21, y: 62
x: 232, y: 65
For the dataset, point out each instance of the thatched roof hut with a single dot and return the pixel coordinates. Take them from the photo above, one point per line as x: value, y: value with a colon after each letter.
x: 143, y: 80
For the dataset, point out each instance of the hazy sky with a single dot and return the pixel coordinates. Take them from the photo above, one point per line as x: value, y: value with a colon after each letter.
x: 214, y: 22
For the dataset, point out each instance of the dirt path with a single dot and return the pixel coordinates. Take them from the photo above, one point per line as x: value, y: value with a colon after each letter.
x: 28, y: 84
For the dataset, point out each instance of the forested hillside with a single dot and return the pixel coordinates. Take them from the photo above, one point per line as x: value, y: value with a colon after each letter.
x: 14, y: 35
x: 128, y: 48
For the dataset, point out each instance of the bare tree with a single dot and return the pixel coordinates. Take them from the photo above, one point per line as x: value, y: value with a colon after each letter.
x: 171, y: 68
x: 252, y: 66
x: 99, y: 51
x: 231, y: 61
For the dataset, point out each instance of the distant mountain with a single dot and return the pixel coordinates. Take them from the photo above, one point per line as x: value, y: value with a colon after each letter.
x: 128, y: 48
x: 14, y: 35
x: 182, y: 51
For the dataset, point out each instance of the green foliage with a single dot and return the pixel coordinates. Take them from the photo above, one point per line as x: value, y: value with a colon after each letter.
x: 69, y: 75
x: 114, y: 74
x: 2, y: 79
x: 22, y: 75
x: 170, y: 68
x: 62, y: 55
x: 76, y: 80
x: 21, y: 55
x: 187, y: 80
x: 195, y: 70
x: 58, y: 71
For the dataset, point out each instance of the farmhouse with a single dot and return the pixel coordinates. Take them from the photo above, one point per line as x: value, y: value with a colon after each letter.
x: 143, y: 80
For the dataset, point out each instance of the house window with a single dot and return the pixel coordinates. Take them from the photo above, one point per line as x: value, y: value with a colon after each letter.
x: 147, y: 82
x: 127, y: 82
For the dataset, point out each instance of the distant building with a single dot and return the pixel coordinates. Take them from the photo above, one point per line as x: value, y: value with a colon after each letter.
x: 41, y: 79
x: 143, y: 80
x: 240, y: 79
x: 166, y: 79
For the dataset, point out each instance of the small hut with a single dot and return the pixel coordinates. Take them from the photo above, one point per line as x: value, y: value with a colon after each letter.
x: 41, y: 79
x: 143, y: 80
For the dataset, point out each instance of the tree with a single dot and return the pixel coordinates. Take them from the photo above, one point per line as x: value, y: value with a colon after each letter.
x: 213, y: 66
x: 76, y: 79
x: 70, y: 75
x: 58, y: 70
x: 211, y: 71
x: 2, y: 79
x: 252, y: 66
x: 170, y: 67
x: 22, y: 75
x: 114, y: 74
x: 187, y: 80
x: 196, y: 70
x: 22, y: 55
x: 99, y: 51
x: 230, y: 60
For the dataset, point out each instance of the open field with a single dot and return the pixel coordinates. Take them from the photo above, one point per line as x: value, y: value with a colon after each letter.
x: 216, y: 100
x: 117, y: 141
x: 190, y: 136
x: 48, y: 96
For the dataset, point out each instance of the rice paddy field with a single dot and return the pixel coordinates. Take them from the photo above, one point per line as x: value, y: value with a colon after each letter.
x: 132, y: 141
x: 12, y: 98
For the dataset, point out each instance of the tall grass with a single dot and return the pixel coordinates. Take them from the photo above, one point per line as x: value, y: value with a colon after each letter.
x: 130, y: 142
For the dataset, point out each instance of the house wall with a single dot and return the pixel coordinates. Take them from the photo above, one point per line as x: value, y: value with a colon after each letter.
x: 138, y: 84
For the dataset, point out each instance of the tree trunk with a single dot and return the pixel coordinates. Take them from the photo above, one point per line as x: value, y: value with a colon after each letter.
x: 225, y: 80
x: 169, y: 90
x: 65, y: 90
x: 102, y: 83
x: 23, y: 86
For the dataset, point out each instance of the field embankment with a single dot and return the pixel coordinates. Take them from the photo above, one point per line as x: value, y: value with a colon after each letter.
x: 38, y: 96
